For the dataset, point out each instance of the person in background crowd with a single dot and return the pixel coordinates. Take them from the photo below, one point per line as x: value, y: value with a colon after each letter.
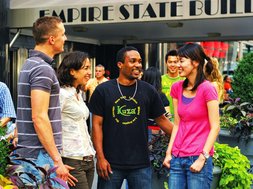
x: 99, y: 78
x: 153, y: 76
x: 7, y: 112
x: 213, y: 75
x: 78, y: 151
x: 196, y: 108
x: 107, y: 74
x: 227, y: 87
x: 38, y: 111
x: 120, y: 133
x: 172, y: 76
x: 92, y: 84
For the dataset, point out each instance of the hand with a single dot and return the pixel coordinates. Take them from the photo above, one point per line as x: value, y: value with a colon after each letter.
x: 71, y: 179
x: 197, y: 165
x: 104, y: 168
x: 62, y: 172
x: 15, y: 141
x: 167, y: 160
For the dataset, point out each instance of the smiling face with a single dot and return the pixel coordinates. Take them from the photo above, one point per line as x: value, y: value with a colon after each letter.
x: 187, y: 67
x: 82, y: 75
x: 132, y: 66
x: 172, y: 65
x: 99, y: 72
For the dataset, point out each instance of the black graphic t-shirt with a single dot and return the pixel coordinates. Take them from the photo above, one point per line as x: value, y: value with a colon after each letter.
x: 125, y: 135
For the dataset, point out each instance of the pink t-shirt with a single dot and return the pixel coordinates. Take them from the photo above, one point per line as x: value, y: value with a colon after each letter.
x: 194, y: 125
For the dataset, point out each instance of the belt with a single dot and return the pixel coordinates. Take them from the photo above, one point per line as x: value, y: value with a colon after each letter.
x: 85, y: 158
x: 88, y: 158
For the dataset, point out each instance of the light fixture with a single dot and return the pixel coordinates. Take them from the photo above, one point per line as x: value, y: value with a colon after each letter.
x: 79, y: 29
x: 175, y: 24
x: 214, y: 34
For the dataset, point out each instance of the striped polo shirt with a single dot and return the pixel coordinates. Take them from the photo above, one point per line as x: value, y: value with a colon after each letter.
x: 38, y: 74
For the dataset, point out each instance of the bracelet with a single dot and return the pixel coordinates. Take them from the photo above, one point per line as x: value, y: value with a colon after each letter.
x: 205, y: 154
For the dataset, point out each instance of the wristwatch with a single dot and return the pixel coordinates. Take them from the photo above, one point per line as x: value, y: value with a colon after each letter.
x: 205, y: 154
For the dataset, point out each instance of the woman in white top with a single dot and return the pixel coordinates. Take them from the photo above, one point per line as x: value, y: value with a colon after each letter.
x: 78, y: 151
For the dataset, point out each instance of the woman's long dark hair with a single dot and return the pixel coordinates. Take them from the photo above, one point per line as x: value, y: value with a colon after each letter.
x: 196, y: 53
x: 153, y: 76
x: 73, y: 60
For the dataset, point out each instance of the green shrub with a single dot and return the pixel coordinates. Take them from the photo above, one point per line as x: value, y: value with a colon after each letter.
x: 4, y: 150
x: 227, y: 121
x: 243, y: 79
x: 234, y: 166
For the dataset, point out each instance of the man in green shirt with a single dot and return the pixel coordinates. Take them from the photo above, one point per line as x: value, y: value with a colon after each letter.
x: 171, y: 77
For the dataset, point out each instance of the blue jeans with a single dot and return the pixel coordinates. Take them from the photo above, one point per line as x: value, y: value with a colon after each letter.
x: 136, y: 179
x: 181, y: 177
x: 38, y: 177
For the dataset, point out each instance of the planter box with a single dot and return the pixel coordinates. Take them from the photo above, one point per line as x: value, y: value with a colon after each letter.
x: 158, y: 182
x: 216, y: 177
x: 245, y: 147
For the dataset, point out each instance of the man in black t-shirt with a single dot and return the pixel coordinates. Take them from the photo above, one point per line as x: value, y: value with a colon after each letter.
x: 121, y: 108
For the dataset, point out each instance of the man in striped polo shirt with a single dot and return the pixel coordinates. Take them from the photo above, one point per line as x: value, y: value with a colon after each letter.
x: 38, y: 111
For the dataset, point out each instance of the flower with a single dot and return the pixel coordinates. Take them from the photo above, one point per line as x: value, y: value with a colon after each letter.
x: 5, y: 183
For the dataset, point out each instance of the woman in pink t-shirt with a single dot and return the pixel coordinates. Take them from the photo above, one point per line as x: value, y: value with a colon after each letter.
x: 196, y: 107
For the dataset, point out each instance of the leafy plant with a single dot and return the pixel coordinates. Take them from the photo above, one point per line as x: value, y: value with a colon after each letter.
x: 227, y: 121
x: 234, y: 166
x: 236, y: 108
x: 2, y: 131
x: 22, y: 172
x: 243, y: 79
x: 4, y: 150
x: 158, y: 146
x: 6, y: 183
x: 237, y: 117
x: 166, y: 185
x: 25, y: 174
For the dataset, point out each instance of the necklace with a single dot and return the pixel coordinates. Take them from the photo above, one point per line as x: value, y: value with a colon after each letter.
x: 124, y: 97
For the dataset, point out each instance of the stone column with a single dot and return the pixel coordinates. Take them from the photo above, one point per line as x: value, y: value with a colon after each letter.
x: 4, y: 40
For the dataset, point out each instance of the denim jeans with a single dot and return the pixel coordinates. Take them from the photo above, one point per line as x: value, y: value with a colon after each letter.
x: 38, y: 178
x: 181, y: 177
x: 136, y: 179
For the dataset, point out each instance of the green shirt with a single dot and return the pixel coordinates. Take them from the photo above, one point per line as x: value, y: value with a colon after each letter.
x: 167, y: 82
